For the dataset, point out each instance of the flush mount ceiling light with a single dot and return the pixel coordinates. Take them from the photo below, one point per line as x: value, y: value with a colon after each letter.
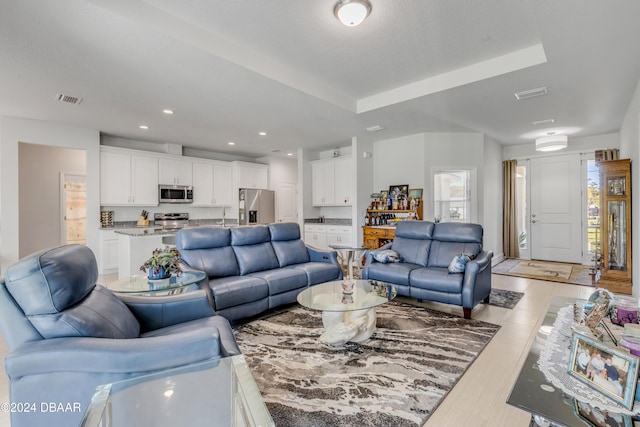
x: 551, y: 142
x: 352, y: 12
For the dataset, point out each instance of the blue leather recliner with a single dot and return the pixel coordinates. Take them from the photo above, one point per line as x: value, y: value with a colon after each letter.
x: 66, y: 335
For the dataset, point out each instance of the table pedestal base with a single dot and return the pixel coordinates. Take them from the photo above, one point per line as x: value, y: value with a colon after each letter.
x: 342, y: 327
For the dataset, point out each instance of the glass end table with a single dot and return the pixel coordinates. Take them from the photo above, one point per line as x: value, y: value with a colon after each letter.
x: 348, y: 308
x: 215, y: 392
x: 140, y: 284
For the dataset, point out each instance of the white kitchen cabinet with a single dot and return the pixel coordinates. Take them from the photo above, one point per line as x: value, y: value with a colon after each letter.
x: 128, y: 179
x: 251, y: 175
x: 315, y: 236
x: 320, y: 236
x: 202, y: 184
x: 343, y: 180
x: 332, y: 182
x: 222, y: 184
x: 212, y: 184
x: 175, y: 172
x: 322, y: 182
x: 108, y: 259
x: 339, y: 235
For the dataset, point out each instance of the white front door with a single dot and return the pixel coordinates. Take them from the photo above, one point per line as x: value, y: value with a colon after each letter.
x: 556, y: 208
x: 286, y: 201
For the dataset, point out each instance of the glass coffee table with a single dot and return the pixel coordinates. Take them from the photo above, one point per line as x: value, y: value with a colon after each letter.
x: 218, y: 392
x: 140, y: 284
x: 348, y: 308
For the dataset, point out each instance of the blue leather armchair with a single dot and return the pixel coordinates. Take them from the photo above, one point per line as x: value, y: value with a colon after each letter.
x: 66, y: 335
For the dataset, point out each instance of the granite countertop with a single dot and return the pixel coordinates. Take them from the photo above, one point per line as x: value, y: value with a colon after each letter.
x: 130, y: 228
x: 328, y: 221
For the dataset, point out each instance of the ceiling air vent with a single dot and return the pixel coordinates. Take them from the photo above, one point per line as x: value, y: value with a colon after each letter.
x: 531, y: 93
x: 68, y: 99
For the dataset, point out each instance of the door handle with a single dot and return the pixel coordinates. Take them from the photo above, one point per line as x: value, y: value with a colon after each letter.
x: 533, y: 215
x: 534, y: 221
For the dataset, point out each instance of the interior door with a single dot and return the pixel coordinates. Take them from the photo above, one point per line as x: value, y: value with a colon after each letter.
x: 286, y: 199
x: 556, y: 209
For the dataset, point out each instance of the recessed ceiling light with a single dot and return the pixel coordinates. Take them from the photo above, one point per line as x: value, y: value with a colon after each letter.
x: 531, y: 93
x: 167, y: 111
x: 289, y: 154
x: 231, y: 143
x: 543, y: 122
x: 145, y: 127
x: 262, y: 133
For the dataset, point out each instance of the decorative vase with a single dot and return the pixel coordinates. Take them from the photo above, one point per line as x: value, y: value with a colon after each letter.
x: 159, y: 274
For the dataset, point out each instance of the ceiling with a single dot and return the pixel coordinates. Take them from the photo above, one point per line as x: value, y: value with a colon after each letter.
x: 230, y: 69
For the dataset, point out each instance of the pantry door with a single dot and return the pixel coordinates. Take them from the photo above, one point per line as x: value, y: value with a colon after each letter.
x: 555, y: 220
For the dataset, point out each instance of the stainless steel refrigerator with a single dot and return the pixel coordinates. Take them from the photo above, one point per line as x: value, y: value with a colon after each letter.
x: 256, y: 206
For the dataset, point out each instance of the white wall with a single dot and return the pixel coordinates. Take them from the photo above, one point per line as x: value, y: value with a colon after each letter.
x: 411, y: 159
x: 492, y: 198
x: 15, y: 130
x: 629, y: 148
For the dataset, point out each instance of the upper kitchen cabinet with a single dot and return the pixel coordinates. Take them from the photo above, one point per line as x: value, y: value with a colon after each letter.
x: 128, y: 179
x: 332, y: 182
x: 175, y: 172
x: 212, y: 184
x: 251, y: 175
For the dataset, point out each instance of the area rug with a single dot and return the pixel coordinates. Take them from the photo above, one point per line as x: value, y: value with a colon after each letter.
x: 543, y: 270
x: 504, y: 298
x: 396, y: 378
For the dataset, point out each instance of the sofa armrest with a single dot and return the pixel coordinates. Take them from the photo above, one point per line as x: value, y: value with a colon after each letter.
x: 113, y: 356
x: 161, y: 311
x: 319, y: 255
x: 483, y: 260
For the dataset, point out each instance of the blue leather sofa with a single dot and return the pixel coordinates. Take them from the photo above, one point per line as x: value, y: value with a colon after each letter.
x: 66, y: 335
x: 253, y: 269
x: 426, y: 250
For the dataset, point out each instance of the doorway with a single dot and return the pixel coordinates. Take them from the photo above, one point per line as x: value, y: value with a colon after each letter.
x: 552, y: 200
x: 286, y: 201
x: 40, y: 196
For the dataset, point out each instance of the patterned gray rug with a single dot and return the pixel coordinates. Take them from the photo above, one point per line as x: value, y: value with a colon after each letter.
x: 396, y: 378
x: 504, y: 298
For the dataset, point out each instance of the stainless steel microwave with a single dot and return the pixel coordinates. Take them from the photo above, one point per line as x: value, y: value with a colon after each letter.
x: 175, y: 194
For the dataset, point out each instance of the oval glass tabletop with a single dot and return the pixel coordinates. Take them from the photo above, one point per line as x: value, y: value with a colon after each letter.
x: 141, y: 283
x: 330, y: 296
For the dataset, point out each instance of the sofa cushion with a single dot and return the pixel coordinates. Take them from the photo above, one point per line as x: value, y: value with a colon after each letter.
x: 394, y: 273
x: 436, y: 279
x: 100, y: 315
x: 282, y: 280
x: 318, y: 272
x: 253, y: 250
x: 208, y: 249
x: 413, y: 241
x: 441, y: 253
x: 286, y: 242
x: 231, y: 291
x: 52, y: 280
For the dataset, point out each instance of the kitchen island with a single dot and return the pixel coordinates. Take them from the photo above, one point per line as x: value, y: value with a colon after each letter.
x: 135, y: 246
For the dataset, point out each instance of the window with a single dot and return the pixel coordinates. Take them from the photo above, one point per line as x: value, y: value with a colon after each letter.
x: 521, y: 205
x: 453, y: 195
x: 593, y: 207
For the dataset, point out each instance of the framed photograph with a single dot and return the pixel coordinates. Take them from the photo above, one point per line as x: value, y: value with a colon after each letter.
x: 399, y: 191
x: 384, y: 194
x: 415, y: 193
x: 595, y: 417
x: 606, y: 369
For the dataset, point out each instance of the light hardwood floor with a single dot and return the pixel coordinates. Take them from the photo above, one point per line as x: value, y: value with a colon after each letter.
x: 479, y: 397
